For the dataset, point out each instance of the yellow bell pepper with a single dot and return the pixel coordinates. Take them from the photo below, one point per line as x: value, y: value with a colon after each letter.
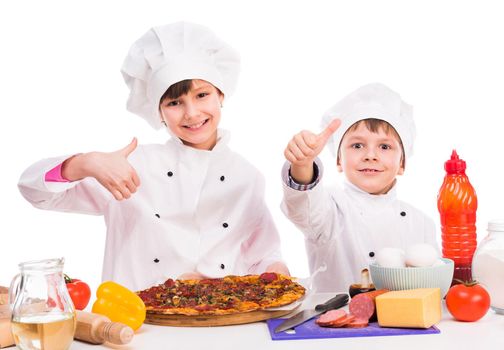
x: 119, y: 304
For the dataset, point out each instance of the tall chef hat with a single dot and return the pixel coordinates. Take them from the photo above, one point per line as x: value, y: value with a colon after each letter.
x: 372, y: 101
x: 168, y: 54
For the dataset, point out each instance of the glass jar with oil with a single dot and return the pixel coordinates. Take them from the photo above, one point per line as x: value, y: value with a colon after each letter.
x: 43, y: 315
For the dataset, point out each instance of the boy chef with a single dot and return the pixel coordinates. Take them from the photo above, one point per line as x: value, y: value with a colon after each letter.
x: 344, y: 227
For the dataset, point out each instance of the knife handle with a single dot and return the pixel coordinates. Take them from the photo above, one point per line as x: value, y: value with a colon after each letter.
x: 333, y: 303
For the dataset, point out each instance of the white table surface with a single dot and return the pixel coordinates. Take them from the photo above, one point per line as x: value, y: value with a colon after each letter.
x: 487, y: 333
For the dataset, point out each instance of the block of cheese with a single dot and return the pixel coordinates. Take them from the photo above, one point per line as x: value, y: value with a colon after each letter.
x: 414, y: 308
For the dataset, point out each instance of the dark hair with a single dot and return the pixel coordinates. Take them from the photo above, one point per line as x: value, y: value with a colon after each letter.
x: 181, y: 88
x: 176, y: 90
x: 374, y: 125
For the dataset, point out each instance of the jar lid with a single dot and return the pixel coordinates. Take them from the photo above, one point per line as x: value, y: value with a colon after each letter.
x: 496, y: 225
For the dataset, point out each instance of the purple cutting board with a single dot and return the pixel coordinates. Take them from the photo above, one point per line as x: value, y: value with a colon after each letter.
x: 310, y: 330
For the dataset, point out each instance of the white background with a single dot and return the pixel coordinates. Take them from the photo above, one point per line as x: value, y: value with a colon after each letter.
x: 61, y: 92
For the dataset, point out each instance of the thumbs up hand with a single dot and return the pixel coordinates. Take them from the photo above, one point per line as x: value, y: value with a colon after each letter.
x: 126, y: 150
x: 112, y: 170
x: 304, y: 147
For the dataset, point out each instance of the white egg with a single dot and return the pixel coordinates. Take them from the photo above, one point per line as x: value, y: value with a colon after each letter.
x: 390, y: 257
x: 439, y: 262
x: 420, y: 255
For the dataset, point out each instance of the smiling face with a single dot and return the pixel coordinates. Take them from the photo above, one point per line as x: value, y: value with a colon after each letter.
x: 195, y: 115
x: 371, y: 160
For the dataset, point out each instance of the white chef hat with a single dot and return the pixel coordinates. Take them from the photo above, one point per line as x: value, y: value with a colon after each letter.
x: 372, y: 101
x: 168, y: 54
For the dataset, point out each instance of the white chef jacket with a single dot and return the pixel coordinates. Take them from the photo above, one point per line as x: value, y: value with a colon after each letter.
x: 345, y: 227
x: 195, y: 210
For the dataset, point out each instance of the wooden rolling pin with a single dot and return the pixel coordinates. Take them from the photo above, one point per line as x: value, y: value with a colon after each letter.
x: 97, y: 329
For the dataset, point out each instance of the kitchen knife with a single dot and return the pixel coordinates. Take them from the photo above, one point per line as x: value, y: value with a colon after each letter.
x: 336, y: 302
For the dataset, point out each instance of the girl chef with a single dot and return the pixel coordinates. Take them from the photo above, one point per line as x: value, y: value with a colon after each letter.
x: 188, y: 208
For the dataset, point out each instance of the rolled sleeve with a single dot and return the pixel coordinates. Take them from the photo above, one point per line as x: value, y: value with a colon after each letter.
x: 289, y: 181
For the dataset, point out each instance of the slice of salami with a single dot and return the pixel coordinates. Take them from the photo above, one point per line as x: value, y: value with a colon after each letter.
x: 331, y: 316
x: 358, y: 323
x: 342, y: 322
x: 363, y: 305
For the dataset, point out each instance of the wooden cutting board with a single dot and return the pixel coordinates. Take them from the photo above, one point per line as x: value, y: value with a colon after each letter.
x: 219, y: 320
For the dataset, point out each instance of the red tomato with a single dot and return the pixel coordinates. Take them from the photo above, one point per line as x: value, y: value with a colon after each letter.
x: 467, y: 302
x: 80, y: 293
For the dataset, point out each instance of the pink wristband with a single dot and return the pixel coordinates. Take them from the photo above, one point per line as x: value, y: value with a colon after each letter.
x: 54, y: 175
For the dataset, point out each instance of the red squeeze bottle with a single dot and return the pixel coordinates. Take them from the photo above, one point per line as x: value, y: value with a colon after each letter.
x: 457, y: 204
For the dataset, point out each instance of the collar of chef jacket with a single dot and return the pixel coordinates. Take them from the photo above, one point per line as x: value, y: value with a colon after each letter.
x: 370, y: 200
x: 223, y: 137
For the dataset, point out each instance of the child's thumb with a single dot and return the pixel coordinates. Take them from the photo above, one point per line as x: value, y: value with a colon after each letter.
x: 329, y: 130
x: 126, y: 151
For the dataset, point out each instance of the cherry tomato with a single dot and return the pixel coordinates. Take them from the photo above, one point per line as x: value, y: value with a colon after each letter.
x: 80, y: 293
x: 467, y: 301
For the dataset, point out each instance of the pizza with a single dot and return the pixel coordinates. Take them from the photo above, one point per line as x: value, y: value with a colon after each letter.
x: 221, y: 296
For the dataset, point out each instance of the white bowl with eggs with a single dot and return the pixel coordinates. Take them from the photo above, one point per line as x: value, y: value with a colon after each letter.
x: 418, y: 267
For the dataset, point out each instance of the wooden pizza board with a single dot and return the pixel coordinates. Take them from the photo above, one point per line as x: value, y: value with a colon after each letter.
x: 218, y: 320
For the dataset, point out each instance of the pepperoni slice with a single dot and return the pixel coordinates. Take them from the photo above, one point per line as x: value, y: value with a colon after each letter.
x: 169, y: 283
x: 268, y: 277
